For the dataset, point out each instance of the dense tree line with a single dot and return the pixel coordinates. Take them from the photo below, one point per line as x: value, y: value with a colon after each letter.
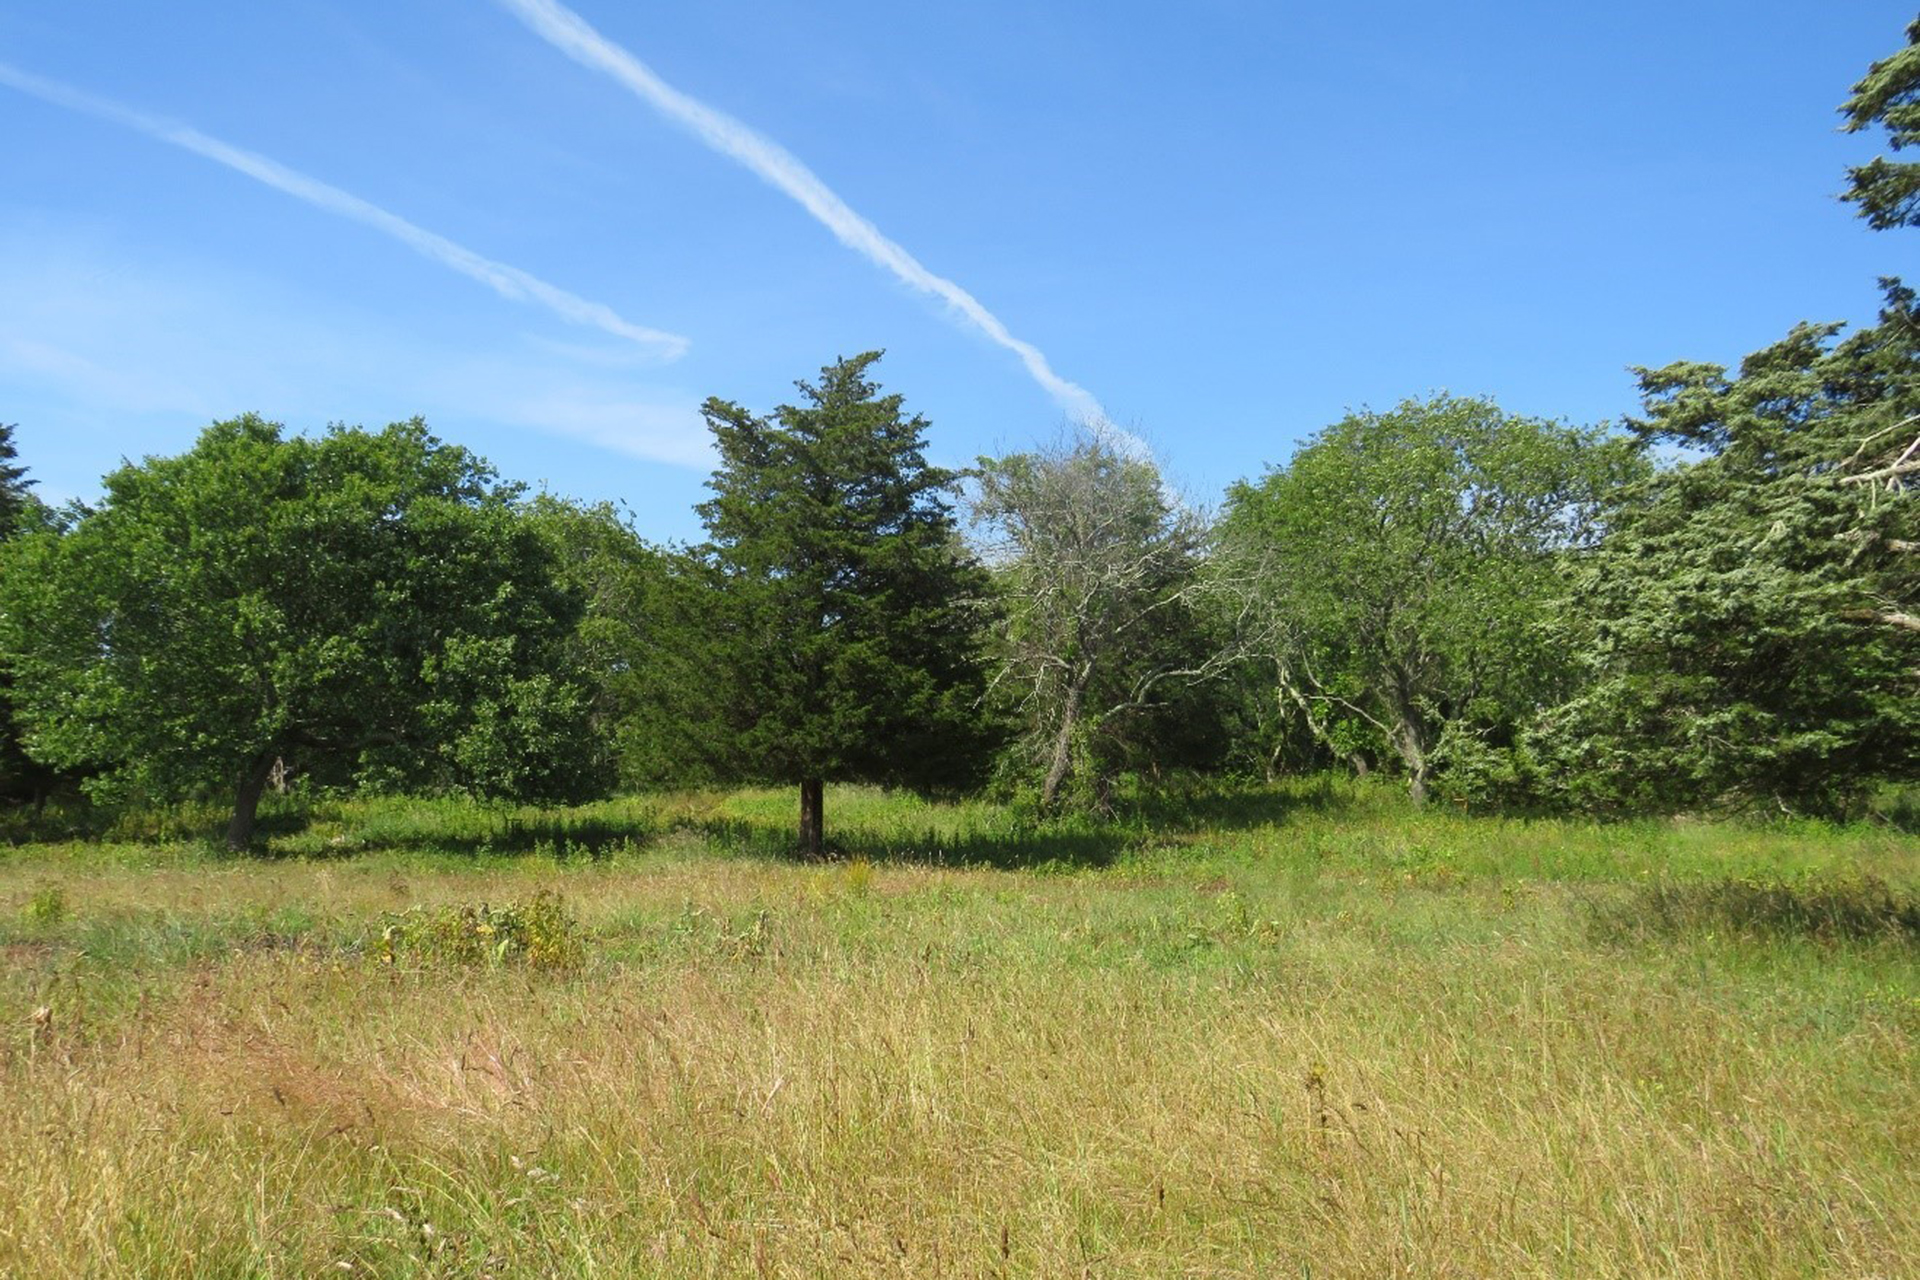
x: 1713, y: 606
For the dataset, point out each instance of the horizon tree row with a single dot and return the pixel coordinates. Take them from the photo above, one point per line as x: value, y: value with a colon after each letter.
x: 1442, y: 592
x: 1717, y: 608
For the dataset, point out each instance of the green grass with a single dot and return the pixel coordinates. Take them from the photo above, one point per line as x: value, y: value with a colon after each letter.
x: 1289, y: 1031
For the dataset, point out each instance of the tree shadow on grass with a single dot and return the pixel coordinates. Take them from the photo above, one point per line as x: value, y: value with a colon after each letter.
x: 564, y: 837
x: 1009, y: 849
x: 1010, y: 840
x: 1005, y: 838
x: 1239, y: 808
x: 1826, y: 908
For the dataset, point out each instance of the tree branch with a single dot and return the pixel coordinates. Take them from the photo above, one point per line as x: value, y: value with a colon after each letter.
x: 1889, y: 617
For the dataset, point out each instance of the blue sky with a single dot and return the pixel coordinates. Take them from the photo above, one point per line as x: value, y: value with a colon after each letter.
x: 1227, y: 222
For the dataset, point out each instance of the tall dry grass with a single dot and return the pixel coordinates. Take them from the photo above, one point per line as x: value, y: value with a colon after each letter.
x: 1206, y: 1059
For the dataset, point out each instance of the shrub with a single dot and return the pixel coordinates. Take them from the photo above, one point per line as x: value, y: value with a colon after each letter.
x: 47, y: 906
x: 538, y: 933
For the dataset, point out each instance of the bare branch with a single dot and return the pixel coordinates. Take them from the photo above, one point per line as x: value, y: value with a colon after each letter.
x: 1905, y: 464
x: 1888, y: 617
x: 1860, y: 453
x: 1889, y: 472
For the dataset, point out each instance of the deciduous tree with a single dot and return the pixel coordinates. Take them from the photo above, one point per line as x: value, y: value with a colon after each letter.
x: 1405, y: 561
x: 1097, y: 570
x: 643, y: 644
x: 369, y: 605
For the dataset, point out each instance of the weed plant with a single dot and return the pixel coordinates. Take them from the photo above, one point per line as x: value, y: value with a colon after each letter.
x: 538, y: 933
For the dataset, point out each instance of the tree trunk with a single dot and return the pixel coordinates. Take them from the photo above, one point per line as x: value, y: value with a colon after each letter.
x: 1407, y: 736
x: 1103, y: 793
x: 1062, y: 763
x: 812, y: 818
x: 246, y: 802
x: 1412, y: 734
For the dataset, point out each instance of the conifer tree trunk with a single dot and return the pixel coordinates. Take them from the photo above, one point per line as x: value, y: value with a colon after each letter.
x: 812, y: 818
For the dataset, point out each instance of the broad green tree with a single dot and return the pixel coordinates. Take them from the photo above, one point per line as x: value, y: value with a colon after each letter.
x: 1403, y: 563
x: 369, y: 606
x: 842, y: 637
x: 1097, y: 571
x: 642, y: 644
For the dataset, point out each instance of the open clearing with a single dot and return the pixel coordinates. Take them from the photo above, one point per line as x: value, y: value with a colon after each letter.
x: 1299, y: 1032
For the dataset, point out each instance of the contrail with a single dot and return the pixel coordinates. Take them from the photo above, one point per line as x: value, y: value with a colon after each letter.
x: 572, y: 35
x: 508, y: 282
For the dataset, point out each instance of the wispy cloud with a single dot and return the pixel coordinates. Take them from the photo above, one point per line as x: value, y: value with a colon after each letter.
x: 507, y: 281
x: 106, y: 354
x: 572, y: 35
x: 653, y: 430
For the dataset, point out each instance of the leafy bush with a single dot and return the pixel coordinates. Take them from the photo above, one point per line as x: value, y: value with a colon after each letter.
x: 47, y: 906
x: 1473, y: 773
x: 538, y: 933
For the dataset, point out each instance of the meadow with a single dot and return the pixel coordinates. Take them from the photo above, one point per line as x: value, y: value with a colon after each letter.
x: 1288, y: 1031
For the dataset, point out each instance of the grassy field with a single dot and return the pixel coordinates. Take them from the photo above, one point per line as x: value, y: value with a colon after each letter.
x: 1293, y: 1032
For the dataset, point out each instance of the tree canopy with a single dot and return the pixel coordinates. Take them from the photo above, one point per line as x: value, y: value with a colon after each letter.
x: 1405, y: 560
x: 1888, y: 96
x: 1751, y: 619
x: 22, y: 778
x: 362, y: 605
x: 641, y: 643
x: 1097, y: 572
x: 1752, y: 626
x: 1717, y: 606
x: 16, y: 498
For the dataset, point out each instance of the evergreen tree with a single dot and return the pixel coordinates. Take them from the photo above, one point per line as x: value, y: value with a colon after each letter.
x: 1888, y: 96
x: 842, y: 640
x: 21, y: 777
x: 15, y: 501
x: 1750, y: 624
x: 1753, y: 623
